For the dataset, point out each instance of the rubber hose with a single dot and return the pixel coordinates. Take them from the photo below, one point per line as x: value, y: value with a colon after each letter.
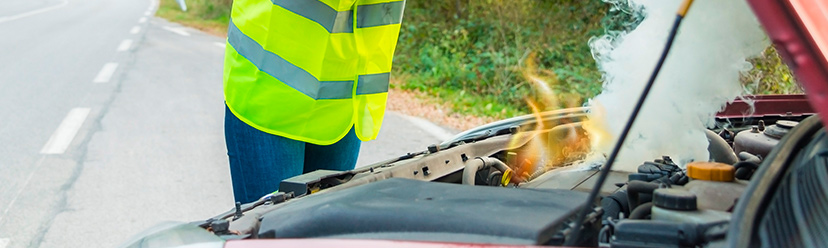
x: 496, y: 163
x: 749, y: 157
x: 611, y: 208
x: 479, y: 163
x: 635, y: 188
x: 642, y: 211
x: 744, y: 170
x: 719, y: 150
x: 471, y: 169
x: 615, y: 204
x: 743, y: 173
x: 683, y: 180
x: 494, y: 178
x: 678, y: 179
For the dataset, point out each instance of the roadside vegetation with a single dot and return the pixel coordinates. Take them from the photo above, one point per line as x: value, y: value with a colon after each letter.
x: 211, y: 16
x: 478, y: 52
x: 770, y: 75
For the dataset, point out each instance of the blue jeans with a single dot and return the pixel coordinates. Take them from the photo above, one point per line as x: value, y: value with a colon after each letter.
x: 259, y: 161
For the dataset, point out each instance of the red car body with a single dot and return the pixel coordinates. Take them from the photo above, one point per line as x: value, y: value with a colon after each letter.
x: 799, y: 29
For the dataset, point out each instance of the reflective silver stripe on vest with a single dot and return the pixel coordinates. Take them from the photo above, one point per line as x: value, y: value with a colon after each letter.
x: 279, y: 68
x: 380, y: 14
x: 372, y: 83
x: 335, y: 89
x: 319, y: 12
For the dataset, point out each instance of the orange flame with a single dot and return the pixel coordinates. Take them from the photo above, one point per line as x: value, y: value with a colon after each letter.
x: 553, y: 144
x: 599, y: 134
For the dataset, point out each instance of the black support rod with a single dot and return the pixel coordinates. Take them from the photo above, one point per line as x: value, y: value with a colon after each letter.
x: 575, y: 234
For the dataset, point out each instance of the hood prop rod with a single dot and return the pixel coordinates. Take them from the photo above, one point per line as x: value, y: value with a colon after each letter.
x: 574, y: 235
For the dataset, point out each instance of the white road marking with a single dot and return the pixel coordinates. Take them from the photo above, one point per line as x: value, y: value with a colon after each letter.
x: 66, y: 132
x: 4, y: 242
x: 436, y: 131
x: 125, y: 45
x: 106, y: 73
x: 219, y: 44
x: 179, y: 31
x: 151, y: 6
x: 135, y: 30
x: 31, y: 13
x: 142, y: 20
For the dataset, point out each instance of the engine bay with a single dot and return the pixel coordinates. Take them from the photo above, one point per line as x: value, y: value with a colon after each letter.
x: 483, y: 187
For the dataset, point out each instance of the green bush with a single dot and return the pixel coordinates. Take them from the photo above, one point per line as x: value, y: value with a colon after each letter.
x: 480, y: 47
x: 770, y: 75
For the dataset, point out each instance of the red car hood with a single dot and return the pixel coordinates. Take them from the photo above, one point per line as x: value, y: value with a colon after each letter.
x: 799, y: 29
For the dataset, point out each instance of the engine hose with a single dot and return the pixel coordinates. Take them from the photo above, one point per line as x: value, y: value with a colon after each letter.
x: 479, y: 163
x: 499, y: 165
x: 748, y: 157
x: 615, y: 204
x: 744, y: 170
x: 636, y: 188
x: 471, y: 169
x: 679, y: 178
x: 495, y: 178
x: 641, y: 212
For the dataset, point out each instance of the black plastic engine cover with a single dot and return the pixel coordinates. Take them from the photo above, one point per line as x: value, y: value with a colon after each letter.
x: 404, y: 209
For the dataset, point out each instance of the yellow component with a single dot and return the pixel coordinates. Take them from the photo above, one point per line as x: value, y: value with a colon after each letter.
x: 685, y: 5
x: 710, y: 171
x: 507, y: 177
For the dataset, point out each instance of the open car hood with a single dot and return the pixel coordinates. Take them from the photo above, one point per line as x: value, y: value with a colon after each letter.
x: 799, y: 29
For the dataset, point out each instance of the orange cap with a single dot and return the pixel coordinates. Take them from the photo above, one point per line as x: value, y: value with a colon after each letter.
x: 710, y: 171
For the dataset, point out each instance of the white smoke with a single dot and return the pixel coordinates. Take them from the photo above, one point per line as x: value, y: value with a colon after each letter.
x: 700, y: 76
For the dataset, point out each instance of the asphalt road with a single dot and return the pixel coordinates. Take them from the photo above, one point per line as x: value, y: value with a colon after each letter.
x: 111, y: 122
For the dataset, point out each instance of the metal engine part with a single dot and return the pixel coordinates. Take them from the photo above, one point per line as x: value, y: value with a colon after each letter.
x: 760, y: 141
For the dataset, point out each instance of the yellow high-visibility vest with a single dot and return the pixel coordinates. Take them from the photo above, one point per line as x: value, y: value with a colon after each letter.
x: 310, y: 70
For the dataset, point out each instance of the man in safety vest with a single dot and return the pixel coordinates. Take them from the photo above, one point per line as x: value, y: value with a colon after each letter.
x: 304, y: 82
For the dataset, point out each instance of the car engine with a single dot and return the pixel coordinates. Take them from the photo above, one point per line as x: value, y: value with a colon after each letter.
x: 482, y: 187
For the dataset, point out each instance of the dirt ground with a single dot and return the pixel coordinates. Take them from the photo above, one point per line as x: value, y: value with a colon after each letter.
x: 415, y: 103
